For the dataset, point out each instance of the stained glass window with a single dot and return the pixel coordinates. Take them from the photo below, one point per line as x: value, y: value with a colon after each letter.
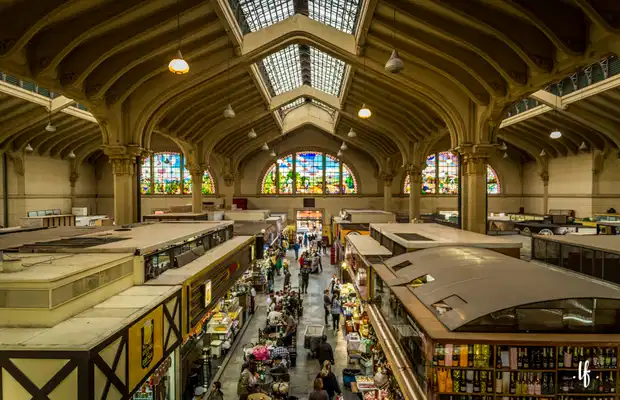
x: 332, y: 174
x: 448, y: 173
x: 269, y: 181
x: 429, y: 175
x: 208, y: 187
x: 145, y: 176
x: 349, y: 183
x: 167, y: 173
x: 285, y: 167
x: 492, y: 181
x: 309, y: 172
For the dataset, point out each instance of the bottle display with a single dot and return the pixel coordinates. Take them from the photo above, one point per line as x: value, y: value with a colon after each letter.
x: 485, y: 372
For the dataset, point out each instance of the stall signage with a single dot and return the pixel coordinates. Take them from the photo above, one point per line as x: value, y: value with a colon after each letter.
x: 145, y: 345
x: 207, y: 293
x: 584, y: 373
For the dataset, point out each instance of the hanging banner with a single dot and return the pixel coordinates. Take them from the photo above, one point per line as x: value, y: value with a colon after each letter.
x: 145, y: 345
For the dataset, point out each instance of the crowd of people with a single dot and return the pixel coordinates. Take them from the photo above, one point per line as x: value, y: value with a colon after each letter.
x: 283, y: 311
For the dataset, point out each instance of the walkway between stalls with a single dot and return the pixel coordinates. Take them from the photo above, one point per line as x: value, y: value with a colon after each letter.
x: 303, y: 375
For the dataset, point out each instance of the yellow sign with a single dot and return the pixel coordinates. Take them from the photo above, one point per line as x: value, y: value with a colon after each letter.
x: 207, y: 293
x: 146, y: 338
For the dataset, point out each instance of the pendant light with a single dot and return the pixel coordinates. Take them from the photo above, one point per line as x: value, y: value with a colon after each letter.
x: 265, y: 147
x: 28, y: 148
x: 339, y: 153
x: 555, y: 134
x: 395, y: 64
x: 178, y: 65
x: 503, y: 146
x: 71, y: 155
x: 343, y: 146
x: 229, y: 113
x: 583, y: 146
x: 505, y: 154
x: 352, y: 133
x: 50, y: 127
x: 273, y: 153
x: 252, y: 134
x: 364, y: 112
x: 543, y: 153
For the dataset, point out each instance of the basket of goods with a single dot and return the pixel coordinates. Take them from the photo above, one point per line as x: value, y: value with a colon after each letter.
x: 279, y: 388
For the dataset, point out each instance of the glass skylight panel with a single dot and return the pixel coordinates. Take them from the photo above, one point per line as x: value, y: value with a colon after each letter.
x: 295, y: 103
x: 283, y: 69
x: 340, y: 14
x: 327, y: 72
x: 263, y: 13
x: 322, y: 105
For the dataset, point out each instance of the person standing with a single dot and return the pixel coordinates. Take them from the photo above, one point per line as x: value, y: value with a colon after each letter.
x: 335, y: 308
x: 287, y: 278
x: 327, y: 301
x: 217, y: 391
x: 296, y: 249
x: 318, y: 393
x: 252, y: 299
x: 305, y: 279
x: 330, y: 382
x: 324, y: 352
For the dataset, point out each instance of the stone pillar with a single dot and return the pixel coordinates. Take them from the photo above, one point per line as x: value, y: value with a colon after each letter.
x: 415, y: 180
x: 544, y: 175
x: 229, y: 190
x: 73, y: 178
x: 197, y: 171
x: 124, y: 171
x: 475, y: 191
x: 387, y: 190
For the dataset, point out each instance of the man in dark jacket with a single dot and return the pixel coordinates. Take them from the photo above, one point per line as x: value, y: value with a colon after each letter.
x: 327, y: 301
x: 325, y: 352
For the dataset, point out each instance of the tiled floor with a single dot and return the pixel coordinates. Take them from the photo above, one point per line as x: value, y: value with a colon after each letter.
x: 307, y: 368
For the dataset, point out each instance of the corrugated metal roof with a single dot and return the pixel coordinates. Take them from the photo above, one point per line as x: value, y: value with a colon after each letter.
x: 488, y: 282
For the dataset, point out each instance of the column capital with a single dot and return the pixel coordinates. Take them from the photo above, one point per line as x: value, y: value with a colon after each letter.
x: 229, y: 178
x: 475, y: 151
x: 387, y: 177
x: 196, y: 169
x: 122, y: 151
x: 544, y: 175
x: 73, y: 177
x: 413, y: 170
x: 123, y: 165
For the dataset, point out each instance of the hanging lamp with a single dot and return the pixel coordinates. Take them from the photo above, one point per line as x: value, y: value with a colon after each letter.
x: 178, y: 65
x: 229, y: 113
x: 252, y: 134
x: 352, y: 133
x: 583, y: 146
x: 543, y: 153
x: 50, y: 127
x: 339, y: 153
x: 505, y: 154
x: 273, y: 153
x: 71, y: 155
x: 265, y: 147
x: 503, y: 146
x: 364, y: 112
x: 555, y: 134
x: 395, y: 64
x: 28, y: 148
x: 343, y: 146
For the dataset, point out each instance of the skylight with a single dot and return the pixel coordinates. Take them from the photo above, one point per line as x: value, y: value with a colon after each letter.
x: 340, y: 14
x: 284, y: 70
x: 258, y: 14
x: 293, y: 104
x: 322, y: 105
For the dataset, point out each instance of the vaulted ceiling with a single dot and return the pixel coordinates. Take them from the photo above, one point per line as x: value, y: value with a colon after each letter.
x: 282, y: 64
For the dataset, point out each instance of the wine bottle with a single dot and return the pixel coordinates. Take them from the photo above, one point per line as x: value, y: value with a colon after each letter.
x: 582, y: 358
x: 435, y: 355
x: 595, y: 357
x: 561, y: 357
x: 513, y: 386
x: 526, y: 360
x: 614, y: 358
x: 470, y: 356
x: 463, y: 384
x: 456, y: 381
x: 612, y: 384
x: 537, y: 386
x: 455, y: 355
x: 545, y: 385
x: 551, y: 384
x: 498, y: 358
x: 545, y: 359
x: 601, y: 383
x: 530, y: 384
x: 551, y: 358
x: 440, y: 355
x: 537, y: 359
x: 568, y: 356
x: 489, y: 382
x: 588, y: 356
x: 607, y: 359
x: 476, y: 382
x: 519, y: 358
x: 498, y: 383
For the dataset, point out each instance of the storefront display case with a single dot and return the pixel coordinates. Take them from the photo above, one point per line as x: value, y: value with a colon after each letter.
x: 360, y: 252
x: 608, y: 228
x: 498, y: 335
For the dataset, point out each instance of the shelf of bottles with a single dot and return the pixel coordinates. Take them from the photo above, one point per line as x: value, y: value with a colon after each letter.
x: 488, y: 372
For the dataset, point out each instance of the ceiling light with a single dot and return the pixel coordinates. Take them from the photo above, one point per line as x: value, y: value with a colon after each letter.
x: 543, y: 153
x: 503, y: 146
x: 343, y: 146
x: 583, y: 146
x: 265, y: 147
x: 229, y: 113
x: 50, y: 127
x: 273, y: 153
x: 364, y: 112
x: 395, y: 64
x: 28, y: 148
x: 252, y: 134
x: 339, y: 153
x: 556, y: 134
x: 505, y: 154
x: 71, y: 155
x: 352, y: 133
x: 178, y: 65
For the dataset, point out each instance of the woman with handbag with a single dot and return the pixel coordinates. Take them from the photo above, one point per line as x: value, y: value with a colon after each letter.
x: 335, y: 309
x: 330, y: 382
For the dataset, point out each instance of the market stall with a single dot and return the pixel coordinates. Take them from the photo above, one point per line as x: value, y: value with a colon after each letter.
x: 515, y: 330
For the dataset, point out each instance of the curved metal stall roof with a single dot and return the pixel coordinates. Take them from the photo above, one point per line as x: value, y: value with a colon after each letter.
x: 462, y: 284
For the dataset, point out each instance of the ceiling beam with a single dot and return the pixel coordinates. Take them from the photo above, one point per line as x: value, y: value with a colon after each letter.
x: 304, y: 91
x: 548, y: 99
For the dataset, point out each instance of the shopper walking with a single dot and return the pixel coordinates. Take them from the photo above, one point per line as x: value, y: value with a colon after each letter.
x: 287, y: 278
x: 252, y: 299
x: 305, y: 279
x: 217, y: 391
x: 318, y: 393
x: 335, y: 308
x: 327, y: 301
x: 330, y: 382
x: 296, y: 249
x: 324, y: 352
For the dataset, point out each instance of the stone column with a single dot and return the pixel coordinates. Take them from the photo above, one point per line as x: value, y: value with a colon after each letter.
x: 475, y: 191
x: 196, y: 171
x: 73, y: 178
x: 415, y: 180
x: 387, y: 190
x: 124, y: 171
x: 544, y: 175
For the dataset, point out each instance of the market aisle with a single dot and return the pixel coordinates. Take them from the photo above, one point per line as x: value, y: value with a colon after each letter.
x: 307, y: 368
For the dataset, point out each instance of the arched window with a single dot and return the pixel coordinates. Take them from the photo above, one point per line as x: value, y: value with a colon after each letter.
x: 165, y: 173
x: 315, y: 173
x: 440, y: 176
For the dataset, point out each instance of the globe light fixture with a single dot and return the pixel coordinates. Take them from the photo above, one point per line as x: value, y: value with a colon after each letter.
x: 364, y: 112
x: 265, y: 147
x: 273, y: 153
x: 178, y: 65
x: 50, y: 127
x: 503, y: 146
x: 555, y: 134
x: 583, y: 146
x: 352, y: 133
x: 229, y: 113
x: 343, y: 146
x: 28, y: 148
x: 252, y: 134
x: 395, y: 64
x: 339, y: 153
x: 71, y: 155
